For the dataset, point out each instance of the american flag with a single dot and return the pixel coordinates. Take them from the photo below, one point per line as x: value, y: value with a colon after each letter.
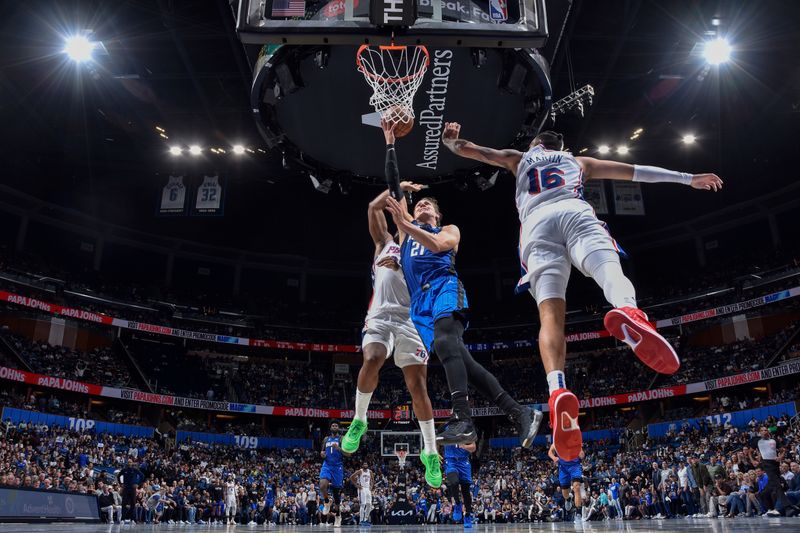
x: 288, y: 8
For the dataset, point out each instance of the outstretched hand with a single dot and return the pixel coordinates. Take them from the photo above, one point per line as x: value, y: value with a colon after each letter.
x: 451, y: 132
x: 409, y: 186
x: 396, y: 210
x: 388, y: 130
x: 707, y: 182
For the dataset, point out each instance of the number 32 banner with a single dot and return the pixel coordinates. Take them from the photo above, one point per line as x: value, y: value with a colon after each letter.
x: 209, y: 197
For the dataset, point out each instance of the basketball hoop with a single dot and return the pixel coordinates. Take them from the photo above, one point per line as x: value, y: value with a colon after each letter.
x: 401, y: 457
x: 394, y: 73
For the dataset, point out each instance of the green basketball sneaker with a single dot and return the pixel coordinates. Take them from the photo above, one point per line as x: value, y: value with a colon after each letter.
x: 433, y: 469
x: 352, y: 438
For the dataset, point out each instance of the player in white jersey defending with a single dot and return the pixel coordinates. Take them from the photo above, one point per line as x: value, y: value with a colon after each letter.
x: 389, y: 331
x: 363, y: 480
x: 558, y: 228
x: 231, y: 499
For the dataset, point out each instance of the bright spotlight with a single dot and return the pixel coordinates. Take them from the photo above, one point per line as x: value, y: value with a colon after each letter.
x: 195, y: 150
x: 622, y: 149
x: 78, y: 48
x: 603, y: 149
x: 238, y: 149
x: 175, y: 150
x: 688, y: 139
x: 717, y: 51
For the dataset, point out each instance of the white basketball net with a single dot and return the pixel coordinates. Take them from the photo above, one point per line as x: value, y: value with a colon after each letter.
x: 401, y: 457
x: 394, y: 73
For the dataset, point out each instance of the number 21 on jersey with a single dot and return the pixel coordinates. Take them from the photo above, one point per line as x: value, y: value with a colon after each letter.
x: 416, y: 249
x: 549, y: 178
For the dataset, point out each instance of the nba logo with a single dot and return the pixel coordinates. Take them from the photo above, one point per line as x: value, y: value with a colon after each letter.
x: 498, y: 10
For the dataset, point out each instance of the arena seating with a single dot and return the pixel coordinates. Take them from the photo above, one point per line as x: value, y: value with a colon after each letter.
x: 266, y: 317
x: 170, y: 369
x: 192, y: 475
x: 101, y: 365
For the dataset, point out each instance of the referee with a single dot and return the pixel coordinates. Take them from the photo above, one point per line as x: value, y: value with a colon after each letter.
x: 770, y: 463
x: 129, y: 477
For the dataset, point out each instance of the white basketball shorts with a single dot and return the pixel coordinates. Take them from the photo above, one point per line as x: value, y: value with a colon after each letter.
x: 552, y: 238
x: 399, y: 336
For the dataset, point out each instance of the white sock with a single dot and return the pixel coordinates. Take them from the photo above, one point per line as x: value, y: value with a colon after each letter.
x: 362, y: 404
x: 604, y: 267
x: 428, y: 435
x: 555, y: 380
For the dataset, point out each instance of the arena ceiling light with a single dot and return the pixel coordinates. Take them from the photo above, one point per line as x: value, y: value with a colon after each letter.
x: 175, y: 150
x: 603, y: 149
x: 717, y: 51
x: 688, y: 139
x: 238, y: 149
x: 195, y: 150
x: 623, y: 149
x: 78, y: 48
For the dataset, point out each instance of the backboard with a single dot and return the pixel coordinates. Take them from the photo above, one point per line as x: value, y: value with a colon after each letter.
x: 450, y: 23
x: 312, y: 104
x: 391, y: 441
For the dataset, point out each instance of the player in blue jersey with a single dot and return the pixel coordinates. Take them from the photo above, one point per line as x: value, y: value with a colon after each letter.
x: 458, y: 479
x: 389, y: 332
x: 331, y: 475
x: 570, y: 474
x: 439, y: 312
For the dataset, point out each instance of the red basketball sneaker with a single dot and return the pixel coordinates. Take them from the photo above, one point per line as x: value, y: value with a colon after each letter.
x: 630, y: 325
x: 567, y: 438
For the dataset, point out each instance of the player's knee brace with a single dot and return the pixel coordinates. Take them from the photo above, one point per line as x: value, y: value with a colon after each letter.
x: 451, y: 479
x: 447, y: 333
x: 451, y: 482
x: 337, y: 495
x: 549, y: 285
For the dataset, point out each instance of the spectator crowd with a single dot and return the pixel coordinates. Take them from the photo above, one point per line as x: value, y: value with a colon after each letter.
x: 705, y: 471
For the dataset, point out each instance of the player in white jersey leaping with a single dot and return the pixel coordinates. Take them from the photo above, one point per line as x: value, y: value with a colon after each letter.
x: 389, y: 331
x: 558, y: 228
x: 363, y: 480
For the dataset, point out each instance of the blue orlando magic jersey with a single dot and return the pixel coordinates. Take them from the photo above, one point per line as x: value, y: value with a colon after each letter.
x: 421, y: 267
x: 455, y: 453
x: 333, y: 456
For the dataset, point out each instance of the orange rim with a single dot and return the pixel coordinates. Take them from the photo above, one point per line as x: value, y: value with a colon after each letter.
x: 404, y: 79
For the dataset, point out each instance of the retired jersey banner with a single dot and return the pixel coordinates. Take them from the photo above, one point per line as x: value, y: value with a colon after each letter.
x: 594, y: 193
x: 209, y: 197
x: 173, y: 197
x: 628, y: 198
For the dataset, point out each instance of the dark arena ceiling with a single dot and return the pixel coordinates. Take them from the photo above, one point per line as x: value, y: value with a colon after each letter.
x: 85, y: 136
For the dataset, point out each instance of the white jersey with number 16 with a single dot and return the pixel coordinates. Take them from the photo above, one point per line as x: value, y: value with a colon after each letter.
x: 546, y: 176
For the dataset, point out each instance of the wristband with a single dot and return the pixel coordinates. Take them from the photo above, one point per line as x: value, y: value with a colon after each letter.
x: 647, y: 174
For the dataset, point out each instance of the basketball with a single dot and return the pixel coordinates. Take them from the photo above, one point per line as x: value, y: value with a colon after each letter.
x: 404, y: 120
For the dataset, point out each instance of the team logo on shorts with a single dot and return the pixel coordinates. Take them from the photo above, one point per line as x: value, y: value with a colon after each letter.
x: 422, y: 354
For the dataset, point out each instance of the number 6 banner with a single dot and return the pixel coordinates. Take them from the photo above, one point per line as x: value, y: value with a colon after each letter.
x: 173, y: 197
x: 209, y: 199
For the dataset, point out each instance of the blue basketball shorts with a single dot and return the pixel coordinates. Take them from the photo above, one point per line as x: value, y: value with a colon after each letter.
x: 442, y: 298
